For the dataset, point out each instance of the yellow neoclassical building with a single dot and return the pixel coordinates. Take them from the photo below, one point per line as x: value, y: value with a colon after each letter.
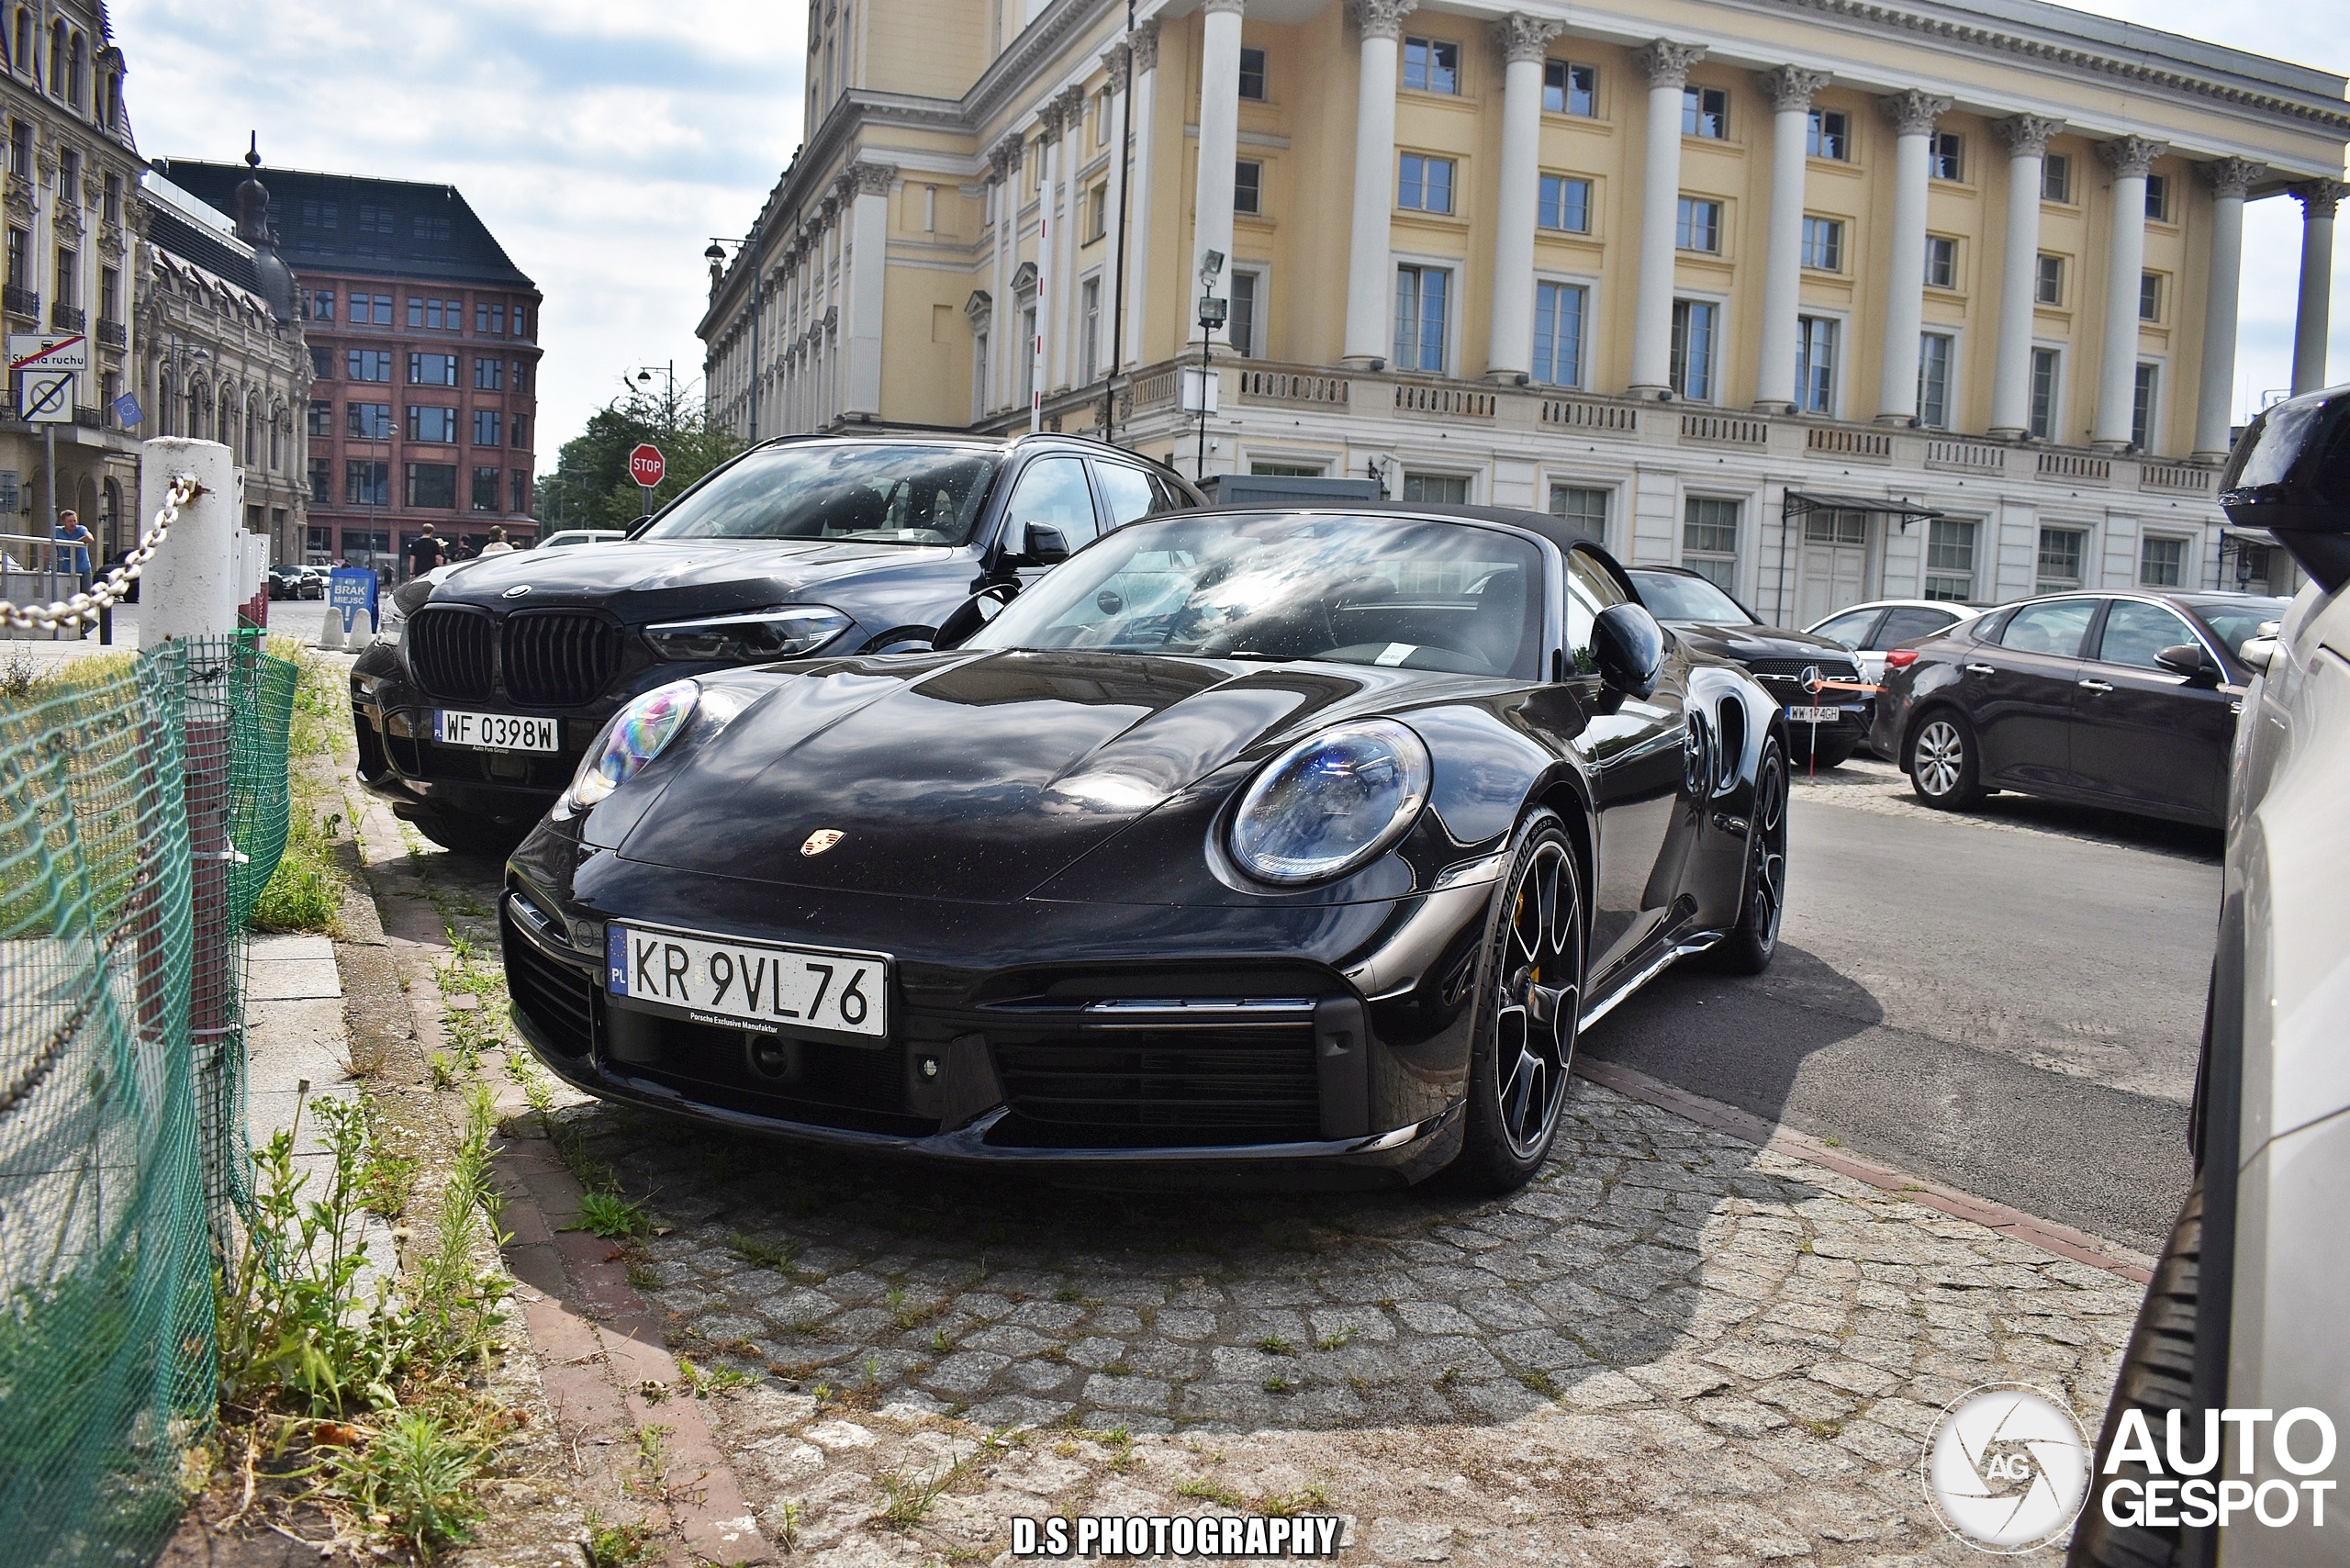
x: 1827, y: 299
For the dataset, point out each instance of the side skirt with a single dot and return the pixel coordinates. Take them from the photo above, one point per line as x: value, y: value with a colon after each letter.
x: 1691, y: 942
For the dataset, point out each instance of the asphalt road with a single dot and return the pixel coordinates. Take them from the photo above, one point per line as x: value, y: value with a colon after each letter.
x: 2003, y: 1004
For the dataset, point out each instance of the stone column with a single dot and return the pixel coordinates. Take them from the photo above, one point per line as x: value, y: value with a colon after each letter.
x: 1524, y: 41
x: 2313, y: 314
x: 1118, y: 61
x: 1144, y: 41
x: 1912, y: 114
x: 1072, y: 104
x: 1371, y: 282
x: 1790, y: 91
x: 2131, y: 158
x: 1666, y: 64
x: 2027, y: 139
x: 2231, y: 180
x: 1219, y: 134
x: 1004, y: 191
x: 1048, y: 155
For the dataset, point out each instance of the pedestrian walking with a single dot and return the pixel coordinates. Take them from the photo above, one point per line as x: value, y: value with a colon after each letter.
x: 498, y: 545
x: 424, y: 555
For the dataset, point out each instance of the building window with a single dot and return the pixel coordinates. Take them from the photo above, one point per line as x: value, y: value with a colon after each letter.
x: 432, y: 484
x: 69, y: 176
x: 1823, y: 244
x: 1709, y: 541
x: 318, y: 214
x: 368, y: 421
x: 367, y: 484
x: 431, y: 228
x: 1248, y: 194
x: 521, y: 492
x: 521, y: 375
x: 1830, y: 135
x: 1949, y: 559
x: 1241, y: 326
x: 1027, y: 353
x: 428, y: 422
x: 1564, y: 203
x: 489, y: 425
x: 2141, y: 407
x: 486, y: 488
x: 432, y: 370
x: 2150, y: 296
x: 1697, y: 226
x: 1583, y: 506
x: 1816, y: 364
x: 368, y: 365
x: 322, y: 305
x: 1570, y: 89
x: 2162, y: 562
x: 2056, y: 178
x: 110, y: 209
x: 1088, y: 312
x: 490, y: 375
x: 19, y: 246
x: 489, y: 317
x: 1252, y: 74
x: 322, y: 364
x: 1431, y: 65
x: 518, y: 432
x: 20, y: 148
x: 1420, y: 295
x: 1946, y: 156
x: 1704, y: 111
x: 2044, y: 393
x: 1933, y: 379
x: 69, y: 279
x: 2158, y: 199
x: 1694, y: 325
x: 321, y: 415
x: 1941, y: 262
x: 321, y: 480
x: 2048, y: 281
x: 1424, y: 185
x: 1558, y: 333
x: 374, y: 309
x: 1437, y: 489
x: 2060, y: 560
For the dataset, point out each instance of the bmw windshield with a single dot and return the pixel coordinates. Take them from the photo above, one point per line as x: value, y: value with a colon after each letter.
x: 1347, y: 590
x: 881, y: 493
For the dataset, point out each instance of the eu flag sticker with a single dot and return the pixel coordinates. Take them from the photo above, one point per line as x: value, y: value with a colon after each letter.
x: 616, y: 957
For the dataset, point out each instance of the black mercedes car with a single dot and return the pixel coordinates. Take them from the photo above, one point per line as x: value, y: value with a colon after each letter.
x: 1826, y: 723
x: 1255, y: 839
x: 492, y: 678
x: 2121, y: 699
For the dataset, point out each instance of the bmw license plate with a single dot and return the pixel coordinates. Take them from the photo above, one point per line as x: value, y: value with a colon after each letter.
x: 492, y: 731
x: 1814, y: 716
x: 760, y: 986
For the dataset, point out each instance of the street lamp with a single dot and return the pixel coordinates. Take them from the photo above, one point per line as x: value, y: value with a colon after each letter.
x: 1211, y: 316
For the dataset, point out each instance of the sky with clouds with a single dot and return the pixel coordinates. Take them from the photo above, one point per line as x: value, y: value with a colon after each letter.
x: 606, y: 142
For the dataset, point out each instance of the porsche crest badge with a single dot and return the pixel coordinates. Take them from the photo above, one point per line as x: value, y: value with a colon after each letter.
x: 824, y: 838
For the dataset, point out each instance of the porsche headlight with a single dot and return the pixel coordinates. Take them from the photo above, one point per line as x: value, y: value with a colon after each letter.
x: 634, y: 737
x: 749, y: 638
x: 1331, y: 803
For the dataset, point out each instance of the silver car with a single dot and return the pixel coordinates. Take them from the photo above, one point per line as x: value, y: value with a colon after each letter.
x: 2246, y: 1311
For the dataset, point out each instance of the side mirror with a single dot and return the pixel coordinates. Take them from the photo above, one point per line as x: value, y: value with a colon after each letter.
x: 2191, y: 661
x: 639, y: 526
x: 2257, y: 654
x: 1044, y: 544
x: 973, y: 613
x: 1629, y: 646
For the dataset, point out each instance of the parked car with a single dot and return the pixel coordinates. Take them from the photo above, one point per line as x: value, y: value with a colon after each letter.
x: 1259, y: 839
x: 284, y: 582
x: 1826, y: 724
x: 2119, y: 699
x: 1866, y: 631
x: 566, y: 536
x: 2244, y: 1311
x: 314, y: 582
x: 489, y: 682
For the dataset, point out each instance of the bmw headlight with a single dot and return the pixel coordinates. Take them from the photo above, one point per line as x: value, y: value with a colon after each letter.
x: 634, y: 737
x: 749, y: 638
x: 1331, y: 803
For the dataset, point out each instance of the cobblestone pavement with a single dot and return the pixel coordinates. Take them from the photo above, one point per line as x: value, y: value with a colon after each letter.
x: 1866, y: 784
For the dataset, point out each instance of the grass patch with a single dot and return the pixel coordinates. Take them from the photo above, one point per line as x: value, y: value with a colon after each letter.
x: 613, y: 1218
x: 1312, y: 1497
x: 1275, y: 1345
x: 619, y: 1544
x: 764, y: 1255
x: 1200, y: 1489
x: 305, y: 892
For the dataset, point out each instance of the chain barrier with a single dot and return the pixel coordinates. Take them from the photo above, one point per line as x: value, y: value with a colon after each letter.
x: 116, y: 585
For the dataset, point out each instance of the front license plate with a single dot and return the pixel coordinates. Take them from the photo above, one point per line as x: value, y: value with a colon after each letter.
x: 1814, y: 716
x: 759, y: 986
x: 492, y: 731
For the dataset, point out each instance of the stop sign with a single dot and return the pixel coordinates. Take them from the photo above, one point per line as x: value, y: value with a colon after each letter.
x: 645, y: 464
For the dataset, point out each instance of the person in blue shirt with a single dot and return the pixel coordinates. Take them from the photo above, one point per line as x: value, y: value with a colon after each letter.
x: 73, y: 546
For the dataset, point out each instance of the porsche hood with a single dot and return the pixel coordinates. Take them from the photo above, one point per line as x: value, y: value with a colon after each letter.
x: 960, y: 777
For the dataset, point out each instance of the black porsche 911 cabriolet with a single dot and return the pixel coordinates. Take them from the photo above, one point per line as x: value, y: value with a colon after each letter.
x: 1261, y: 839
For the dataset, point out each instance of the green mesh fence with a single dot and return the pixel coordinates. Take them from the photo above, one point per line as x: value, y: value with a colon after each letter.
x: 142, y: 805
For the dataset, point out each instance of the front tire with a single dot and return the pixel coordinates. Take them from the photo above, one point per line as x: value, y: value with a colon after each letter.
x: 1762, y: 891
x: 1943, y: 767
x: 1528, y: 1013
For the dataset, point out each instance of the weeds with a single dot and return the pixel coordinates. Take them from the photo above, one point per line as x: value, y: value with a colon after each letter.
x: 417, y: 1473
x: 910, y: 1317
x: 1289, y: 1505
x: 1275, y: 1345
x: 1201, y: 1489
x: 613, y: 1218
x: 763, y: 1255
x: 1278, y: 1385
x: 624, y: 1543
x: 905, y: 1501
x: 305, y: 892
x: 1335, y: 1341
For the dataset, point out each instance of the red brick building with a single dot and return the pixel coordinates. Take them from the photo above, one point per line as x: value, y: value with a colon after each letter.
x: 423, y: 340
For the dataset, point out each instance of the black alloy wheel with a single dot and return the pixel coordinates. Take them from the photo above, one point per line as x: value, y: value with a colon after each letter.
x: 1944, y: 770
x: 1530, y: 1013
x: 1763, y: 895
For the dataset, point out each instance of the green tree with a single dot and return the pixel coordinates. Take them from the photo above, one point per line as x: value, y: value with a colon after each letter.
x: 590, y: 486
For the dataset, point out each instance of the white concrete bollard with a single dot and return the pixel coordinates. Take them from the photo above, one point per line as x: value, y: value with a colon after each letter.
x: 189, y: 589
x: 330, y: 635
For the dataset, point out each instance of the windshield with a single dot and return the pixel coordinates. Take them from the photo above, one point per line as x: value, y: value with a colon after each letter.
x: 1347, y: 590
x: 1672, y: 596
x: 886, y: 493
x: 2236, y: 624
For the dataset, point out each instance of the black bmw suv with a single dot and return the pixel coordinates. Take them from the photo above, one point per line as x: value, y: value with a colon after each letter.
x: 494, y: 676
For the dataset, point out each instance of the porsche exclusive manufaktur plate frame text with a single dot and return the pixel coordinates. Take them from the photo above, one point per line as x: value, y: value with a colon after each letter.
x: 1249, y: 840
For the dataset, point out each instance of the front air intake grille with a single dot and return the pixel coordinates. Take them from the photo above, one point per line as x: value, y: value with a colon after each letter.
x: 452, y: 652
x: 558, y: 1000
x: 1832, y: 666
x: 1160, y: 1083
x: 559, y: 660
